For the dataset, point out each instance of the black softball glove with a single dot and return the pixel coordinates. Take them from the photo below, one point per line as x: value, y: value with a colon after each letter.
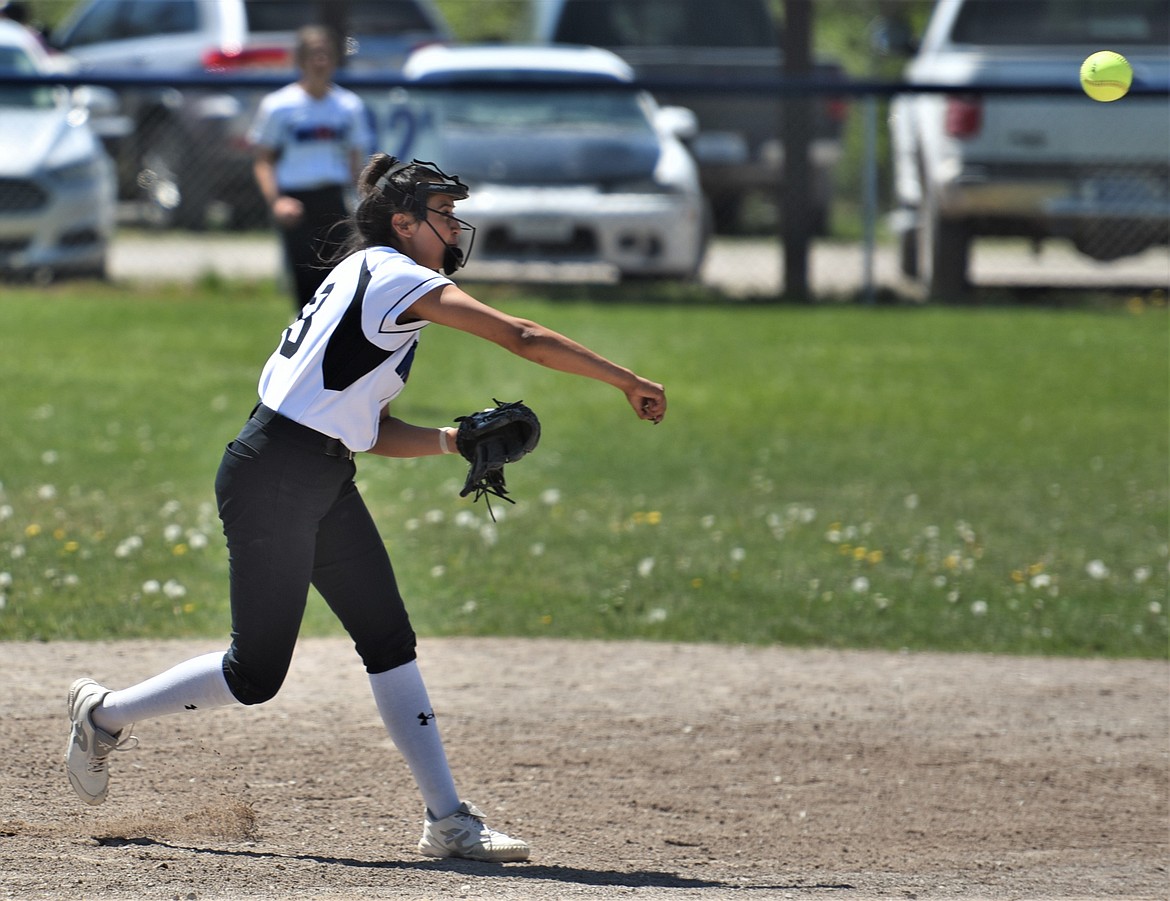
x: 490, y: 438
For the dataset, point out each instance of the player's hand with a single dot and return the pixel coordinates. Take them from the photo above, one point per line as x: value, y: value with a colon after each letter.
x: 287, y: 211
x: 648, y: 400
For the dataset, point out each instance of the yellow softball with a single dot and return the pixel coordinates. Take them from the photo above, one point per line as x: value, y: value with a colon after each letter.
x: 1106, y: 76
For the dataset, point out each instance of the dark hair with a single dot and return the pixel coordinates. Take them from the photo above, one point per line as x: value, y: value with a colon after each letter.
x: 311, y: 34
x: 371, y: 224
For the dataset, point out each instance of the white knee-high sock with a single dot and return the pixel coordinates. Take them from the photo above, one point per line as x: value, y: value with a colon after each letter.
x: 195, y: 684
x: 406, y: 712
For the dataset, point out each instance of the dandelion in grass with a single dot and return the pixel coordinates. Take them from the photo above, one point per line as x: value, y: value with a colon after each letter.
x: 174, y: 589
x: 1040, y: 580
x: 47, y: 492
x: 550, y: 496
x: 18, y: 551
x: 468, y: 608
x: 433, y: 517
x: 979, y: 608
x: 5, y: 580
x: 1155, y: 608
x: 438, y: 571
x: 645, y: 567
x: 738, y: 555
x: 465, y: 519
x: 488, y: 534
x: 128, y: 546
x: 910, y: 502
x: 172, y: 533
x: 656, y: 615
x: 151, y: 586
x: 707, y: 521
x: 1141, y: 575
x: 859, y: 585
x: 5, y: 512
x: 49, y: 457
x: 71, y: 547
x: 32, y: 530
x: 197, y: 541
x: 1097, y: 570
x: 537, y: 549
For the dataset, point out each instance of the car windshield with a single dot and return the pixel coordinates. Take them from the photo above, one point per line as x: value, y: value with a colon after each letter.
x: 666, y: 23
x: 1057, y: 22
x: 13, y: 60
x: 552, y: 109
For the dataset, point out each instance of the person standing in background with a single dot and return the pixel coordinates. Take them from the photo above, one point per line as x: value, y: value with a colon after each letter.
x: 311, y: 140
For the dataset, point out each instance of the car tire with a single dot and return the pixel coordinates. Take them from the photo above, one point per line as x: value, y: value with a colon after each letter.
x: 943, y: 255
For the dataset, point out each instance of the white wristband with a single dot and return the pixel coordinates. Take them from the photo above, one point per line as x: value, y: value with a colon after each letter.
x: 443, y: 445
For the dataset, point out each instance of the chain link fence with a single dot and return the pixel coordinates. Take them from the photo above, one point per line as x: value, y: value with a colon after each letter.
x: 1026, y: 167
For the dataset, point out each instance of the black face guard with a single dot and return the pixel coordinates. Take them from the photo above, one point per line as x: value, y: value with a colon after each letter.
x: 454, y: 257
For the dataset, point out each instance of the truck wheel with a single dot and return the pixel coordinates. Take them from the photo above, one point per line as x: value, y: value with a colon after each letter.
x: 943, y: 252
x: 908, y: 253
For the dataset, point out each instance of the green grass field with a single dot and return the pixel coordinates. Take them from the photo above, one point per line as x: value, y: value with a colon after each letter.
x: 986, y: 479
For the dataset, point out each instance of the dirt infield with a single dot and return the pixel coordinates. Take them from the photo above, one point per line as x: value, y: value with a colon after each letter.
x: 644, y: 770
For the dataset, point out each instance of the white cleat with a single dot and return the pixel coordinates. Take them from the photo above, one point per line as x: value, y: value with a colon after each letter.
x: 464, y: 834
x: 86, y: 756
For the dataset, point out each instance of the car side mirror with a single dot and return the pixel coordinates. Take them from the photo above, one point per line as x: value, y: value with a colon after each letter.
x: 678, y: 121
x: 96, y: 100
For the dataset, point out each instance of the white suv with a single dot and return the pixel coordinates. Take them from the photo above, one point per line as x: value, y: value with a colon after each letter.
x: 182, y: 149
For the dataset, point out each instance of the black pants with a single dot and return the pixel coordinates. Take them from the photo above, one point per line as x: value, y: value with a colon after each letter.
x: 293, y: 516
x: 312, y: 240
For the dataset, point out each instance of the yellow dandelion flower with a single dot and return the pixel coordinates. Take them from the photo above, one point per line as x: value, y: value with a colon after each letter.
x: 179, y: 550
x: 1035, y: 569
x: 71, y: 547
x: 875, y: 556
x: 1017, y: 575
x: 696, y: 582
x: 546, y: 620
x: 59, y: 533
x: 189, y: 607
x: 951, y: 561
x: 639, y: 518
x: 32, y: 530
x: 654, y: 517
x: 859, y: 553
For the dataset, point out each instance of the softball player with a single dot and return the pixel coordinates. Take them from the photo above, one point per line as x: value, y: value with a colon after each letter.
x: 294, y: 517
x: 310, y: 139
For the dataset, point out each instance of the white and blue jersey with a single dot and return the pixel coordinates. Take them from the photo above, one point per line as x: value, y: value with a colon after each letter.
x: 348, y: 355
x: 313, y: 137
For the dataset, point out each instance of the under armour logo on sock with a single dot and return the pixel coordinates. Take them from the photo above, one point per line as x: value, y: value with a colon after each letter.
x: 423, y: 717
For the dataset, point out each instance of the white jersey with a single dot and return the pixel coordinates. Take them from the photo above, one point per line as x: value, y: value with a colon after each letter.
x: 313, y: 137
x: 347, y: 355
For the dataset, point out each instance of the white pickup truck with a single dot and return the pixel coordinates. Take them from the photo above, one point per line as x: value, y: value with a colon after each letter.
x: 1059, y: 165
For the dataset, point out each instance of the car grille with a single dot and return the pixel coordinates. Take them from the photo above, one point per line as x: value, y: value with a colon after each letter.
x: 19, y: 195
x: 9, y: 246
x: 499, y: 241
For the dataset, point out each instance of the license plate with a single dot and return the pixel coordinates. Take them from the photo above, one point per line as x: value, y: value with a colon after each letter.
x: 542, y: 229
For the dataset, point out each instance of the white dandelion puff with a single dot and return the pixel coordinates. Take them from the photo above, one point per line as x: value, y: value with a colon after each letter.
x: 645, y: 566
x: 47, y: 492
x: 979, y: 608
x: 537, y: 549
x: 860, y: 585
x: 173, y: 532
x: 5, y: 580
x: 1040, y: 580
x: 151, y: 586
x: 1097, y: 570
x: 173, y: 589
x: 438, y: 571
x: 656, y: 615
x: 49, y: 457
x: 738, y: 555
x: 550, y: 496
x: 1141, y: 575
